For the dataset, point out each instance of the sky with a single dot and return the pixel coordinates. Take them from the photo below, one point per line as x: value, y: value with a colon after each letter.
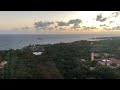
x: 59, y: 22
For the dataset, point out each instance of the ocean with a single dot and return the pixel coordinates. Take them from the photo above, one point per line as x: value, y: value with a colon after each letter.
x: 21, y: 40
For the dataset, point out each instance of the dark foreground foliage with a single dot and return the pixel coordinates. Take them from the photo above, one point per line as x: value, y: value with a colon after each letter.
x: 59, y: 61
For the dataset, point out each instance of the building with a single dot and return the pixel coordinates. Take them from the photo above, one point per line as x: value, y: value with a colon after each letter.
x: 106, y: 61
x: 37, y: 53
x: 92, y: 56
x: 116, y: 61
x: 3, y: 63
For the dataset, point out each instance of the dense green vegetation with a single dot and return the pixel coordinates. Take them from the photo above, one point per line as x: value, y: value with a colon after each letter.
x: 60, y: 61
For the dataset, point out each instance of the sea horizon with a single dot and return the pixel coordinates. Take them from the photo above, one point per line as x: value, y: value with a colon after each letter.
x: 18, y: 41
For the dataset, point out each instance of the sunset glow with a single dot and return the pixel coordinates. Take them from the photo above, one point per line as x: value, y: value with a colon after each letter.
x: 42, y: 22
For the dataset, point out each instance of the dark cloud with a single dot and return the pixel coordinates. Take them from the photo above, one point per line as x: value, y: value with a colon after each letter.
x: 47, y: 25
x: 61, y: 28
x: 87, y: 28
x: 102, y: 25
x: 116, y: 28
x: 42, y: 25
x: 93, y: 27
x: 113, y: 28
x: 75, y: 21
x: 100, y: 18
x: 107, y: 28
x: 104, y: 19
x: 50, y: 28
x: 75, y: 26
x: 116, y: 14
x: 61, y: 23
x: 111, y: 21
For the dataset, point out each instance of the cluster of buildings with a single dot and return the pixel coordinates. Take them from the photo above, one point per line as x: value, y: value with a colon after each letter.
x: 36, y: 49
x: 110, y: 62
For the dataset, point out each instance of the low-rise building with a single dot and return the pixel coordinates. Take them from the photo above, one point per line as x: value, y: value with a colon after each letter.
x: 37, y: 53
x: 2, y: 64
x: 105, y: 60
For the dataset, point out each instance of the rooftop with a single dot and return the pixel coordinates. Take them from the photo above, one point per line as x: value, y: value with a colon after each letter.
x: 113, y: 60
x: 37, y: 53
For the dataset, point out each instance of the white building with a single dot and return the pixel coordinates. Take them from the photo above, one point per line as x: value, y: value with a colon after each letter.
x: 92, y: 56
x: 2, y: 64
x: 37, y: 53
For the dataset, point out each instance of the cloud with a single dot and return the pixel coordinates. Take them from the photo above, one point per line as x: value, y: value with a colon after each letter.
x: 116, y: 14
x: 57, y: 25
x: 25, y: 28
x: 112, y: 28
x: 116, y: 28
x: 22, y: 28
x: 93, y: 28
x: 111, y: 21
x: 61, y: 23
x: 75, y: 21
x: 88, y: 28
x: 61, y: 28
x: 100, y: 18
x: 50, y: 28
x: 102, y: 25
x: 42, y: 25
x: 76, y: 26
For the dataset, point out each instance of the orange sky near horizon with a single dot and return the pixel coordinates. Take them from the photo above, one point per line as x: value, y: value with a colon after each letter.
x: 10, y: 20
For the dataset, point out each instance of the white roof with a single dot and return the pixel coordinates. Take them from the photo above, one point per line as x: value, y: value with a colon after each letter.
x: 3, y: 63
x: 37, y: 53
x: 105, y: 60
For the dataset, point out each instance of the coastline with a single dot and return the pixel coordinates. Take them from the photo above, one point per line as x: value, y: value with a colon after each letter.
x: 54, y: 60
x: 18, y: 41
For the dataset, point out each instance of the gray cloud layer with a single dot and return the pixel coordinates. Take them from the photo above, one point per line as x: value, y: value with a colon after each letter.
x: 116, y: 14
x: 87, y: 28
x: 46, y: 25
x: 75, y: 21
x: 42, y: 25
x: 113, y: 28
x: 100, y: 18
x: 116, y: 28
x: 111, y: 21
x: 61, y: 23
x: 72, y: 24
x: 76, y: 26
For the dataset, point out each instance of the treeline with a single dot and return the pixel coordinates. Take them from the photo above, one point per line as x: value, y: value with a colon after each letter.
x: 58, y: 61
